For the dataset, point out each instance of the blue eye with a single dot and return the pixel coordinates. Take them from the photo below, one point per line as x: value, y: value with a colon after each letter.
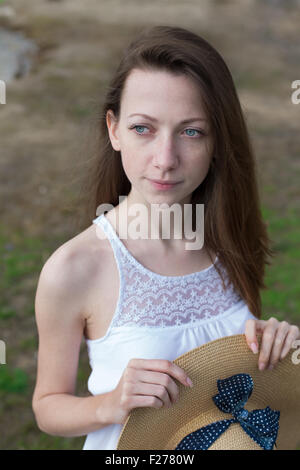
x: 193, y: 130
x: 141, y: 127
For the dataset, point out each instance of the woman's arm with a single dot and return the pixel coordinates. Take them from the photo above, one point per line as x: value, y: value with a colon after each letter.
x: 58, y: 308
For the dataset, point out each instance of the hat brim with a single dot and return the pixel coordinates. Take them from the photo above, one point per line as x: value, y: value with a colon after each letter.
x: 162, y: 429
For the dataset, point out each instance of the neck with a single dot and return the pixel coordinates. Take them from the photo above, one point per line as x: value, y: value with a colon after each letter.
x: 163, y: 226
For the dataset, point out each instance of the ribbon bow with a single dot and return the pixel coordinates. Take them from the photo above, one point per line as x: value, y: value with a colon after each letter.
x: 261, y: 425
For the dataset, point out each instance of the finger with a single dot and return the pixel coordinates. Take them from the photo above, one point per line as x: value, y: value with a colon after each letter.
x: 279, y: 340
x: 252, y: 327
x: 141, y: 401
x: 159, y: 391
x: 290, y: 338
x: 162, y: 365
x: 160, y: 379
x: 267, y: 343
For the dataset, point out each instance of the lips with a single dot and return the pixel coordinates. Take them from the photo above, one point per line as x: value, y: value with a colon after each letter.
x: 164, y: 182
x: 165, y: 186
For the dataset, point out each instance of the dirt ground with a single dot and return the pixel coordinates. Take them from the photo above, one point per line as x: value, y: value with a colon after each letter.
x: 45, y: 127
x: 79, y: 46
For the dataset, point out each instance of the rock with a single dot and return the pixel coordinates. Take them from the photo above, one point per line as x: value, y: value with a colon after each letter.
x: 7, y: 12
x: 16, y: 55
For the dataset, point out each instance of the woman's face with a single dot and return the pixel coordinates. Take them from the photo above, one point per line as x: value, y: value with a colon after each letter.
x: 161, y: 148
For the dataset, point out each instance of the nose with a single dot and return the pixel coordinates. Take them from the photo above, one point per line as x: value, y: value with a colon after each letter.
x: 165, y: 156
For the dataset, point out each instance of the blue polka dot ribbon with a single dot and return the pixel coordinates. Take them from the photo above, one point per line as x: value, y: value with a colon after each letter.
x: 261, y: 425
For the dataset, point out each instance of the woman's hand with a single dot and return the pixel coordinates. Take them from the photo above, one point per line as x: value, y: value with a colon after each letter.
x: 277, y: 340
x: 144, y: 383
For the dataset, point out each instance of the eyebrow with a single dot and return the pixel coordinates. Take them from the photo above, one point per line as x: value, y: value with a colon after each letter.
x: 185, y: 121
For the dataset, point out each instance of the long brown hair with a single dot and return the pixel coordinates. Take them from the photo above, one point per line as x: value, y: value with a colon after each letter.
x: 234, y: 227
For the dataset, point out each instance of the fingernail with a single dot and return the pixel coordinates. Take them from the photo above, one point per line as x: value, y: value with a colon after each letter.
x: 254, y: 348
x: 189, y: 382
x: 261, y: 366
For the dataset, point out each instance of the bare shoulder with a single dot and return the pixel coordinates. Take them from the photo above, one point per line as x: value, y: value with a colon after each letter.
x: 72, y: 267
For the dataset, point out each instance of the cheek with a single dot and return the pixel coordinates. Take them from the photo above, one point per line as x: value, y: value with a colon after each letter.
x: 131, y: 165
x: 199, y: 162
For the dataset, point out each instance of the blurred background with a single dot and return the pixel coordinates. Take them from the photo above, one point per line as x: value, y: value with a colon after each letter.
x: 56, y: 57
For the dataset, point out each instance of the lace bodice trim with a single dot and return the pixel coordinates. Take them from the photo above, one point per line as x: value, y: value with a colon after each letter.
x: 153, y: 300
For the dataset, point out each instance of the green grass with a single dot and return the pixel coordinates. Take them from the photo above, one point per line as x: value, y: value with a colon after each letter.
x: 12, y: 380
x: 6, y: 313
x: 21, y: 257
x: 282, y: 297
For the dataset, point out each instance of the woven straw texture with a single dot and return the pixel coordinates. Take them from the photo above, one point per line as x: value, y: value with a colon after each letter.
x: 163, y: 429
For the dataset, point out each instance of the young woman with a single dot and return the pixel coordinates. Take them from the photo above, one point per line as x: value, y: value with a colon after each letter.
x: 171, y: 115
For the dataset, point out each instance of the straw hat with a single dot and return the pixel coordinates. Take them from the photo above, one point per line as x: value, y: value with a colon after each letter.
x: 228, y: 386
